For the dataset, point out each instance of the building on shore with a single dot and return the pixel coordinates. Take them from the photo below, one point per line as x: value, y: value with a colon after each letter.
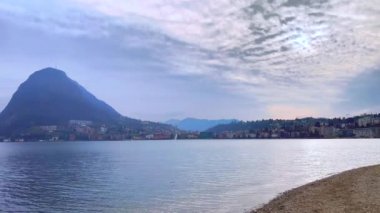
x: 50, y: 129
x: 373, y: 132
x: 80, y: 122
x: 368, y: 120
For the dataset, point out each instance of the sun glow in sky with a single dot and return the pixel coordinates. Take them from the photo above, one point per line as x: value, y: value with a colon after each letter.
x: 160, y: 59
x: 302, y: 42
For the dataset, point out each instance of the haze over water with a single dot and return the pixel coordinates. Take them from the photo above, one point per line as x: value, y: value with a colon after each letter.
x: 168, y: 176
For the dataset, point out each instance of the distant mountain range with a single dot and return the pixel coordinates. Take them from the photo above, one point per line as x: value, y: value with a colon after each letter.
x: 194, y: 124
x: 50, y: 97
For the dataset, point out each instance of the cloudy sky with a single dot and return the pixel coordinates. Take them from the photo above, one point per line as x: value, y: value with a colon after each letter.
x: 163, y: 59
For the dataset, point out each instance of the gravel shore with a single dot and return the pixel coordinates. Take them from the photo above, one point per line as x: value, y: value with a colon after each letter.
x: 353, y: 191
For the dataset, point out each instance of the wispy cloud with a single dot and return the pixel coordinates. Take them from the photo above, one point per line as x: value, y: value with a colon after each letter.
x: 294, y: 42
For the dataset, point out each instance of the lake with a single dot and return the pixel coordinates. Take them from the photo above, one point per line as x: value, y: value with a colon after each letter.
x: 168, y: 176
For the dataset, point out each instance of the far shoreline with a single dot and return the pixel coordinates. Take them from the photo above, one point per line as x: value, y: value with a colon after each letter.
x: 214, y: 139
x: 355, y: 190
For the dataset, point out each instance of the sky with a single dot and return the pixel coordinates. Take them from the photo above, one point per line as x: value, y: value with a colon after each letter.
x: 164, y: 59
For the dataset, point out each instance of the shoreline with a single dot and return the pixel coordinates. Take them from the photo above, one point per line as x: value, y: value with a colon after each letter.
x: 221, y: 139
x: 356, y: 190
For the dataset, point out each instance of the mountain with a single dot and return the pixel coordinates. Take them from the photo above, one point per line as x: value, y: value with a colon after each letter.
x: 194, y: 124
x: 50, y: 97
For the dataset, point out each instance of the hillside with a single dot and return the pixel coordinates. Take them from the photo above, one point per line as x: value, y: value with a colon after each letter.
x: 364, y: 126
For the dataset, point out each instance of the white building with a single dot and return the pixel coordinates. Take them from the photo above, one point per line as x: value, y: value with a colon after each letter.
x: 366, y: 121
x: 149, y: 137
x: 367, y: 132
x: 51, y: 128
x: 103, y: 130
x: 80, y: 122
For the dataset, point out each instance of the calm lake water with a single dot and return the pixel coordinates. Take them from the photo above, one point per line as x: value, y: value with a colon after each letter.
x: 168, y: 176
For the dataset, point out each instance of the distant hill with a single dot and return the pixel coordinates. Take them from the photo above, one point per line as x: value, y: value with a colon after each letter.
x: 50, y: 97
x: 265, y: 124
x: 194, y: 124
x: 302, y: 123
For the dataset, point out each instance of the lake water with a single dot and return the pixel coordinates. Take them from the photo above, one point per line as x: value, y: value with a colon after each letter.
x: 168, y: 176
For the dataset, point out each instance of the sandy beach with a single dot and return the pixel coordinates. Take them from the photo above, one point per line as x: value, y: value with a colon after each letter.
x: 356, y: 190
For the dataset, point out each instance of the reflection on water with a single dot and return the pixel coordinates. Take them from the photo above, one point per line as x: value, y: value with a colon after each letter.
x: 166, y: 176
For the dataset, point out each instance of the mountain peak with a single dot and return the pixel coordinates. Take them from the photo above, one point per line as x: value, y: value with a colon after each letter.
x: 48, y: 72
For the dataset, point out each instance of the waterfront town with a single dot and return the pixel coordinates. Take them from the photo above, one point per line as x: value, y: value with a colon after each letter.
x: 82, y: 130
x: 364, y: 126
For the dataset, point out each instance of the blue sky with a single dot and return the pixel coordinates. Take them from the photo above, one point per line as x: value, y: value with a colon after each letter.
x: 163, y: 59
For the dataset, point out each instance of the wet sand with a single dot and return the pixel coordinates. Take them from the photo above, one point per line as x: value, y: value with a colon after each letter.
x: 352, y: 191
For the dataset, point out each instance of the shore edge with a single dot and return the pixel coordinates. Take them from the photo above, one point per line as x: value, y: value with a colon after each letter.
x: 355, y: 190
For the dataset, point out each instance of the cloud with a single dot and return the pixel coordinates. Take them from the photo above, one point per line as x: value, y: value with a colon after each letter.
x: 298, y: 53
x: 313, y: 44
